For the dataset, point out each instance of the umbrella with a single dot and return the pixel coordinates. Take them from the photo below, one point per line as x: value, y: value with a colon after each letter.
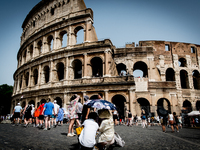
x: 162, y: 112
x: 101, y: 104
x: 194, y: 113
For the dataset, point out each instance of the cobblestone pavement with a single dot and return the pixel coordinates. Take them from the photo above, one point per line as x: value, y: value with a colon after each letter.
x: 136, y: 137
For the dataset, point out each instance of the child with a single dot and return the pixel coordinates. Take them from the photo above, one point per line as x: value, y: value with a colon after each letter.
x: 87, y: 136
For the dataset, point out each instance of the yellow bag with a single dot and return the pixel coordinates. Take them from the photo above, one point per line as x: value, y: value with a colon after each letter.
x: 78, y: 130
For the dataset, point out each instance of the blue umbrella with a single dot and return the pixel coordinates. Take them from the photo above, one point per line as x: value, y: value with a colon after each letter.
x: 101, y: 104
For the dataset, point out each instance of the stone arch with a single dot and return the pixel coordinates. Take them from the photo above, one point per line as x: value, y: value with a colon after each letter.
x: 63, y: 38
x: 39, y: 46
x: 164, y: 103
x: 119, y: 101
x: 196, y: 79
x: 59, y: 101
x: 60, y: 71
x: 46, y: 73
x: 141, y: 66
x: 144, y: 104
x: 198, y: 105
x: 79, y: 31
x: 97, y: 67
x: 184, y: 79
x: 170, y: 74
x: 77, y: 68
x: 187, y: 106
x: 50, y: 41
x: 26, y: 78
x: 182, y: 62
x: 121, y: 69
x: 35, y: 76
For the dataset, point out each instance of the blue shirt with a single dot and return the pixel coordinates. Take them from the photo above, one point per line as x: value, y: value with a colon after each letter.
x: 48, y: 108
x: 18, y: 108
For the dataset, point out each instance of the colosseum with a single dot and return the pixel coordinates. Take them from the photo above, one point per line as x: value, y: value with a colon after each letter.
x: 51, y: 64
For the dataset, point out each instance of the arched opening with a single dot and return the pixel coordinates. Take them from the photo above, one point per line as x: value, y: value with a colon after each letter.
x: 20, y: 82
x: 198, y: 105
x: 121, y: 69
x: 46, y: 73
x: 59, y: 101
x: 27, y: 78
x: 77, y: 67
x: 50, y: 42
x: 35, y: 76
x: 31, y: 51
x: 39, y: 45
x: 60, y: 71
x: 187, y: 106
x: 139, y: 68
x: 79, y: 32
x: 43, y: 101
x: 164, y: 103
x: 145, y: 105
x: 97, y: 67
x: 196, y: 79
x: 63, y: 38
x: 24, y: 56
x: 170, y: 74
x: 31, y: 102
x: 119, y: 102
x: 182, y: 62
x: 184, y: 79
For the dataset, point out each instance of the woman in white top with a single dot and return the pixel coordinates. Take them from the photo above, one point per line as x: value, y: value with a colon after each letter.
x: 171, y: 121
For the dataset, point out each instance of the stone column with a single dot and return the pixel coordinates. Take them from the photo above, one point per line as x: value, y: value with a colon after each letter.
x: 57, y: 43
x: 88, y: 30
x: 66, y: 99
x: 190, y: 80
x: 154, y: 105
x: 132, y: 101
x: 106, y: 95
x: 39, y: 75
x: 66, y: 68
x: 84, y: 93
x: 106, y: 66
x: 174, y: 102
x: 85, y: 66
x: 51, y: 71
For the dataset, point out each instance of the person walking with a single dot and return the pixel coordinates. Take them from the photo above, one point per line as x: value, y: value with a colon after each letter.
x: 171, y: 121
x: 41, y: 115
x: 56, y: 109
x: 176, y: 121
x: 47, y: 111
x: 79, y: 110
x: 86, y: 108
x: 129, y: 119
x: 16, y: 112
x: 60, y: 116
x: 27, y: 115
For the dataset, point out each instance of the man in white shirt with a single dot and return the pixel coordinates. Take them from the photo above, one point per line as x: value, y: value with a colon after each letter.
x: 87, y: 136
x: 56, y: 109
x: 16, y: 112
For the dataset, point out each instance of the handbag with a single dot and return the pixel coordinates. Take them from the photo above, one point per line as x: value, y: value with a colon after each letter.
x: 119, y: 140
x: 78, y: 130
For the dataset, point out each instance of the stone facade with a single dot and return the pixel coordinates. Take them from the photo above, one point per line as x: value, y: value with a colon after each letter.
x: 49, y: 69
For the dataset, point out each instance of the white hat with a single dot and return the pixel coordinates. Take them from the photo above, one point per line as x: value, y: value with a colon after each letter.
x: 55, y: 101
x: 18, y: 103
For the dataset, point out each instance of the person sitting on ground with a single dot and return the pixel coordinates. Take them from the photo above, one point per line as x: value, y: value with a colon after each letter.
x: 87, y: 136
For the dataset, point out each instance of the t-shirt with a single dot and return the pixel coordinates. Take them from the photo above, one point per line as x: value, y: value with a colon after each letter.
x: 41, y: 107
x: 18, y: 108
x: 48, y: 108
x: 56, y: 108
x: 87, y: 136
x: 79, y: 108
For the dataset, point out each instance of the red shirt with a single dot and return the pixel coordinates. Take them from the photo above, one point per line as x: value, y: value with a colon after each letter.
x: 41, y: 107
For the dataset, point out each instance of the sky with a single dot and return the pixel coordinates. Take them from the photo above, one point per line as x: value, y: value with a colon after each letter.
x: 121, y: 21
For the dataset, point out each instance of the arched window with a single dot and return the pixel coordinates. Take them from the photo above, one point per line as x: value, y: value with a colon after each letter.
x: 63, y: 38
x: 20, y: 82
x: 164, y: 103
x: 50, y: 42
x: 119, y: 101
x: 182, y: 62
x: 46, y: 73
x: 79, y: 32
x: 187, y: 106
x: 35, y: 76
x: 39, y: 45
x: 121, y: 69
x: 196, y: 79
x: 31, y: 51
x: 24, y: 56
x: 60, y: 71
x: 77, y: 67
x: 27, y: 78
x: 170, y: 74
x: 144, y: 105
x: 184, y: 79
x: 140, y: 69
x: 97, y: 67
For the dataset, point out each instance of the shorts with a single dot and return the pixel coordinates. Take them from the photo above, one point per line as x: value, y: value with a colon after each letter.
x: 27, y: 116
x: 54, y: 116
x: 41, y: 117
x: 114, y: 117
x: 16, y: 114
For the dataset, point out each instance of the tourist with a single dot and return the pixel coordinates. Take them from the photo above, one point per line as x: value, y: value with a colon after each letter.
x: 180, y: 122
x: 176, y: 121
x: 47, y: 111
x: 163, y: 123
x: 143, y: 118
x: 115, y: 117
x: 106, y: 129
x: 16, y: 112
x: 27, y: 115
x: 73, y: 114
x: 79, y: 110
x: 32, y: 115
x: 41, y: 115
x: 171, y: 121
x: 129, y: 119
x: 60, y: 116
x: 36, y: 115
x: 53, y: 118
x: 86, y: 108
x: 87, y: 136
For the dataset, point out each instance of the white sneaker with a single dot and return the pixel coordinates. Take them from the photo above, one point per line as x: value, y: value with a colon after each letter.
x: 69, y: 134
x: 73, y: 134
